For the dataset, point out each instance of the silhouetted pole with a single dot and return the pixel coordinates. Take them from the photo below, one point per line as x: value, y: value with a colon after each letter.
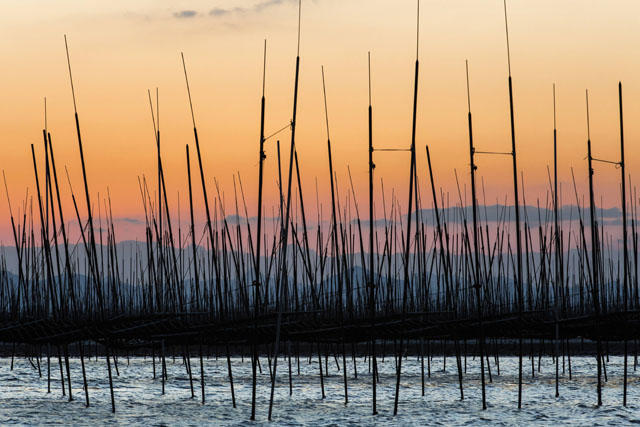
x: 625, y: 283
x: 163, y: 194
x: 558, y: 248
x: 209, y: 227
x: 45, y: 239
x: 443, y: 261
x: 305, y: 237
x: 371, y: 284
x: 92, y: 238
x: 68, y: 269
x: 194, y: 248
x: 517, y: 216
x: 161, y: 271
x: 275, y: 364
x: 334, y: 226
x: 113, y: 401
x: 206, y: 199
x: 84, y: 376
x: 50, y: 211
x: 285, y: 231
x: 285, y: 221
x: 256, y: 282
x: 478, y: 280
x: 594, y: 255
x: 407, y: 248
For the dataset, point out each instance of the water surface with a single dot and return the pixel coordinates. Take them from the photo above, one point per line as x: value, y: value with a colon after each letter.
x: 139, y: 401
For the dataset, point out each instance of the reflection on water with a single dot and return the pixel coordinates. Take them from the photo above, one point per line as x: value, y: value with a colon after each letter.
x: 24, y: 398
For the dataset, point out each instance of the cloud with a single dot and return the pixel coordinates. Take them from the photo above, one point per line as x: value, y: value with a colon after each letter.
x: 219, y: 12
x: 266, y: 4
x: 129, y: 220
x: 185, y: 14
x: 376, y: 223
x: 530, y: 214
x: 235, y: 219
x: 256, y: 8
x: 504, y: 213
x: 241, y: 219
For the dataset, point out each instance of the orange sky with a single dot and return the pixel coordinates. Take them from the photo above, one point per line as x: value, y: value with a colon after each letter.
x: 119, y: 49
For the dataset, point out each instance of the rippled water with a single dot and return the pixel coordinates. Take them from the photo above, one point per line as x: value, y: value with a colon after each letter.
x: 24, y: 398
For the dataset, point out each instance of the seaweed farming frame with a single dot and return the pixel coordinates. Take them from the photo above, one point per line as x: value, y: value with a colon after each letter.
x: 337, y: 290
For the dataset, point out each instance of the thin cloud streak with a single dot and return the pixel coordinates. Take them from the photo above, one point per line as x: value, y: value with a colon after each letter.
x: 256, y: 8
x: 220, y: 12
x: 185, y: 14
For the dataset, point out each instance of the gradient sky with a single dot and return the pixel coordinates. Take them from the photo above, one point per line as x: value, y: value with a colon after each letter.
x: 119, y: 49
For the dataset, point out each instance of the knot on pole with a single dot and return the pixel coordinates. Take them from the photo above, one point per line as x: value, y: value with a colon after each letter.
x: 255, y: 283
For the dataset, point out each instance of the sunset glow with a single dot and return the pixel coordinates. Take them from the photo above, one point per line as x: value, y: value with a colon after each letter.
x: 119, y: 50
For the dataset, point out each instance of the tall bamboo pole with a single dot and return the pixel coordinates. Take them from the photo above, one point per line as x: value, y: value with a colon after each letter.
x: 371, y: 281
x: 625, y: 263
x: 595, y: 278
x: 256, y: 282
x: 476, y: 262
x: 407, y: 248
x: 516, y: 204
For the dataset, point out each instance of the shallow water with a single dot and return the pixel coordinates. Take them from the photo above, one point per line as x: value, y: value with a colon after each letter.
x: 24, y: 398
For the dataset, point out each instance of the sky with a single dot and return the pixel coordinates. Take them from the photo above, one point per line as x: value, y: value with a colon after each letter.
x: 121, y: 49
